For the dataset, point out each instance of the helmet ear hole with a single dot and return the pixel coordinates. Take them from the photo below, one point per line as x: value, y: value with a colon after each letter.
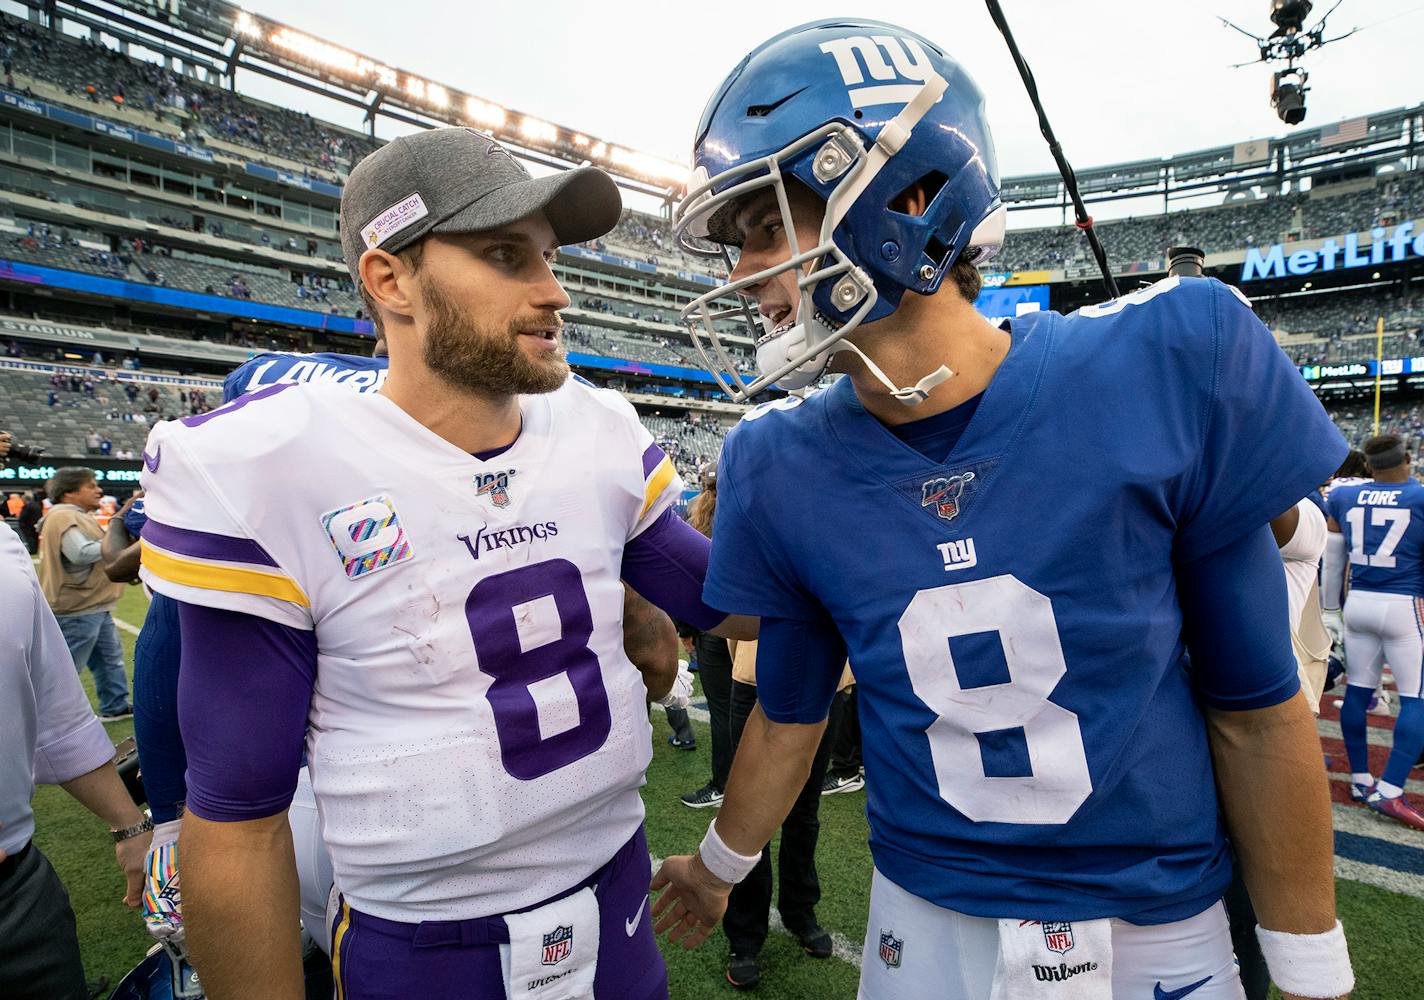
x: 921, y: 192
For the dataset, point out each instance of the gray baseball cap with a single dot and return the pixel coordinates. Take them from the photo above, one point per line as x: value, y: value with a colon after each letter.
x: 459, y: 180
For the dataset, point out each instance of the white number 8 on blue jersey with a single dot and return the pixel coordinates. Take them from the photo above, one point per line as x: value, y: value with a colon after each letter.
x: 1023, y: 618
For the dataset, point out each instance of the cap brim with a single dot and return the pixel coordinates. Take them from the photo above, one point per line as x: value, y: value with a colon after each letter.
x: 580, y: 204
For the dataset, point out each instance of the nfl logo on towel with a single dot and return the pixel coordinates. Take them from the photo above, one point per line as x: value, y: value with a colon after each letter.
x: 890, y: 949
x: 1058, y: 936
x: 558, y: 944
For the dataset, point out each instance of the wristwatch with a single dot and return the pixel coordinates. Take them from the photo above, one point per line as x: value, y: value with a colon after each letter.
x: 142, y: 826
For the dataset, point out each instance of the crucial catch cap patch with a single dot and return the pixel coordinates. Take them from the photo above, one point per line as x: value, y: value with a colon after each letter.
x: 402, y: 215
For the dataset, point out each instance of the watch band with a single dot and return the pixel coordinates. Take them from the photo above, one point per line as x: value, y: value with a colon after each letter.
x: 142, y: 826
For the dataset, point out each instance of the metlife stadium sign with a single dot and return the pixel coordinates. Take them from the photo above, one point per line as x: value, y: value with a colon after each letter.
x: 1384, y: 247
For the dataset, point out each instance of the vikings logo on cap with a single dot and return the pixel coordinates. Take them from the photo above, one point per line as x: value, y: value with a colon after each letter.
x: 944, y: 494
x: 494, y: 485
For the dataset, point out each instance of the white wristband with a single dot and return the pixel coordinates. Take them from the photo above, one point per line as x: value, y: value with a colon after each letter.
x: 723, y: 862
x: 1308, y: 965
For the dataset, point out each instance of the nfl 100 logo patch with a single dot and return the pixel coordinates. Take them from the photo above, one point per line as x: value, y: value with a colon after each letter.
x: 891, y: 948
x: 558, y: 945
x: 494, y: 485
x: 367, y: 536
x: 1058, y: 936
x: 944, y: 494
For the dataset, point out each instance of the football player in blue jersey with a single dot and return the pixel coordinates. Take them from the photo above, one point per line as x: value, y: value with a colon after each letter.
x: 1043, y: 544
x: 1377, y: 531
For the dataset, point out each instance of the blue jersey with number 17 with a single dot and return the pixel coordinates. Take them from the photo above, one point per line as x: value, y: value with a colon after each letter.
x: 1033, y: 745
x: 1383, y: 525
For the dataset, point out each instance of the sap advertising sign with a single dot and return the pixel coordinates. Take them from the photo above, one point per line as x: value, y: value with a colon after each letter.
x: 1383, y: 247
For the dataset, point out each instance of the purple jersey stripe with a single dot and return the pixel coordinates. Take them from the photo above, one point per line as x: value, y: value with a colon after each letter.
x: 651, y: 459
x: 203, y: 545
x: 236, y: 404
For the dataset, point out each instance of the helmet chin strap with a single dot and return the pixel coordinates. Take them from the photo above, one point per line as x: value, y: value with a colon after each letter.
x: 912, y: 395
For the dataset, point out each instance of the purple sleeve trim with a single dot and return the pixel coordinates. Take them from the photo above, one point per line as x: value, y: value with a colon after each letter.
x: 236, y: 404
x: 667, y: 564
x: 243, y: 693
x: 205, y: 545
x: 652, y: 458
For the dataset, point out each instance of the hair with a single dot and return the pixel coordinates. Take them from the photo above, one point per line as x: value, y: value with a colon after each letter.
x: 1382, y: 444
x: 702, y: 510
x: 966, y: 278
x: 411, y: 256
x: 67, y: 480
x: 1353, y: 467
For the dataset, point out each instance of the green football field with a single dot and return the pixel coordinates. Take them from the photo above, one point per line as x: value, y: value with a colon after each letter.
x: 1383, y: 926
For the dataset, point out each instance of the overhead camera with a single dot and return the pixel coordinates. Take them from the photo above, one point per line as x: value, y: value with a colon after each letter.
x: 1288, y: 92
x: 1289, y: 15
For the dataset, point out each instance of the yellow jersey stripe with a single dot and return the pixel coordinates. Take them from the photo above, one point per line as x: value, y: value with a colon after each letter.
x: 207, y: 576
x: 657, y: 482
x: 341, y: 928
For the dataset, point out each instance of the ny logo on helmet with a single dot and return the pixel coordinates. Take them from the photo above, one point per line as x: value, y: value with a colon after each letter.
x: 858, y: 55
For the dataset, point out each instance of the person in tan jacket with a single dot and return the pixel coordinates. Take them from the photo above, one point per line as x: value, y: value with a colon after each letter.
x: 78, y: 590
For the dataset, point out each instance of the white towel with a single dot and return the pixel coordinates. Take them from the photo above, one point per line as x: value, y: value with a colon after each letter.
x: 1075, y: 958
x: 553, y: 950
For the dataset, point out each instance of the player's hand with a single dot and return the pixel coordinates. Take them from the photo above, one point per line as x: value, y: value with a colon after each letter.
x: 692, y: 902
x: 130, y: 853
x: 135, y: 495
x: 688, y: 644
x: 5, y: 439
x: 1334, y: 624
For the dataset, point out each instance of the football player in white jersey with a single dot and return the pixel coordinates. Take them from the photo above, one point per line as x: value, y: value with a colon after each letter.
x: 425, y: 582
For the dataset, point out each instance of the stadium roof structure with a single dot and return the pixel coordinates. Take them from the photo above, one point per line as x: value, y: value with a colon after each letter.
x: 222, y: 38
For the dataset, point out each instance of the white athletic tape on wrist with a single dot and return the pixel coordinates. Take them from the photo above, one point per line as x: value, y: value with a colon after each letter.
x: 1308, y: 965
x: 723, y: 862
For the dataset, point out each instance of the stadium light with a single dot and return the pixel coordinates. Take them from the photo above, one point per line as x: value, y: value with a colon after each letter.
x: 437, y: 95
x: 245, y: 25
x: 491, y: 116
x: 540, y: 131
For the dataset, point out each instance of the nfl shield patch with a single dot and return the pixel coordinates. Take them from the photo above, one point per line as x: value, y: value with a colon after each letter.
x: 891, y: 948
x: 494, y: 485
x: 944, y: 494
x: 1058, y: 936
x: 558, y: 944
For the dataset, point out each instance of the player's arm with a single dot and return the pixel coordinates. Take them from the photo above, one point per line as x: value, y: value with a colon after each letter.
x: 666, y: 562
x: 119, y: 554
x: 1335, y: 563
x: 650, y: 642
x: 243, y: 693
x: 1262, y: 735
x: 799, y: 664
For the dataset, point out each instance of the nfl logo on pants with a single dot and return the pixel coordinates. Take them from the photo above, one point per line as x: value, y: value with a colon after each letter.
x: 890, y: 948
x: 558, y: 943
x: 1058, y: 936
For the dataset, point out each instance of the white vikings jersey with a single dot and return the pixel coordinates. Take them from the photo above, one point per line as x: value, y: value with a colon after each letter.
x: 476, y: 736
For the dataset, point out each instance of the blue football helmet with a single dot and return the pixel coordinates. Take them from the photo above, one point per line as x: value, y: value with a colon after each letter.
x: 164, y: 974
x: 858, y: 112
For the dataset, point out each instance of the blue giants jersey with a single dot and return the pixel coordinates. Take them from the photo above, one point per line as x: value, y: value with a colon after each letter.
x: 360, y: 373
x: 1383, y: 525
x: 1033, y: 745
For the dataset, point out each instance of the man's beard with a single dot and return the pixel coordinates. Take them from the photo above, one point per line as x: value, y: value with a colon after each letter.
x: 486, y: 358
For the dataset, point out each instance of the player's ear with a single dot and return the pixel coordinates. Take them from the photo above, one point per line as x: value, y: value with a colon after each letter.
x: 380, y: 276
x: 911, y: 201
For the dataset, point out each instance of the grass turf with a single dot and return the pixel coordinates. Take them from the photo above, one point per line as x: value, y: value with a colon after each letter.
x: 1387, y: 963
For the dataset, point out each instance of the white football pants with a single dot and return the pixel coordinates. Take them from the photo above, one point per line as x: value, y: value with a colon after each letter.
x: 313, y: 862
x: 1384, y: 628
x: 944, y: 955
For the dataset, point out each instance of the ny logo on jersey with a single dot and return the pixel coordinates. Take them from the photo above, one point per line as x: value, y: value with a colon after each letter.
x: 494, y: 485
x: 958, y: 554
x: 1058, y: 936
x: 558, y: 945
x: 891, y: 948
x: 858, y: 55
x: 944, y: 494
x: 367, y: 536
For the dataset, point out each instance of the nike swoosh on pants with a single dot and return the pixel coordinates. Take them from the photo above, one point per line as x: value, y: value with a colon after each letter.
x: 1158, y: 993
x: 631, y: 925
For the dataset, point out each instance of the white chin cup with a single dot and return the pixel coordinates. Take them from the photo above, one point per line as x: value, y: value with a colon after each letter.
x: 775, y: 354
